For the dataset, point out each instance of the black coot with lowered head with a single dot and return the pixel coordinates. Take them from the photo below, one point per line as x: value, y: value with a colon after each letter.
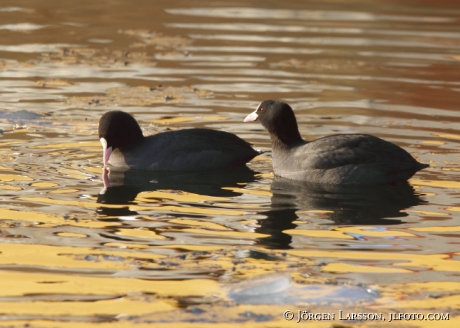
x: 125, y: 147
x: 338, y: 159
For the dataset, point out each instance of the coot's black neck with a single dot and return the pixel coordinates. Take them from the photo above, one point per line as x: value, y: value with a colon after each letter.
x: 286, y: 143
x: 285, y: 136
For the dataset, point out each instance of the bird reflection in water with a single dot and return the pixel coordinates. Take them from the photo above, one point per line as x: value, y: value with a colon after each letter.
x: 345, y: 205
x: 123, y: 187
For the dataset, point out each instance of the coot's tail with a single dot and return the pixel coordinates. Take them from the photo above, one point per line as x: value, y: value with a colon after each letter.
x: 421, y: 166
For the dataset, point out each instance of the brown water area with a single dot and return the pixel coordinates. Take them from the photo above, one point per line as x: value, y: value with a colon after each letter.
x: 241, y: 247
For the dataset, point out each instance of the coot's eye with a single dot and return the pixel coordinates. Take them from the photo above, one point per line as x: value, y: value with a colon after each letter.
x: 262, y: 110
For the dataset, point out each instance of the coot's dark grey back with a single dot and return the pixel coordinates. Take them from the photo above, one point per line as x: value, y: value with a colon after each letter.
x: 188, y: 150
x: 346, y: 159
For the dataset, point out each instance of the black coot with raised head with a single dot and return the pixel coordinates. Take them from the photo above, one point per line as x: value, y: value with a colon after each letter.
x: 337, y: 159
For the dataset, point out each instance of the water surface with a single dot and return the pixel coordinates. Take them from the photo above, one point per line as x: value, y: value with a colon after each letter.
x: 227, y: 247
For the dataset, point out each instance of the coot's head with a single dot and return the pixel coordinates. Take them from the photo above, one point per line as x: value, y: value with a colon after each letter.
x: 279, y: 119
x: 118, y: 129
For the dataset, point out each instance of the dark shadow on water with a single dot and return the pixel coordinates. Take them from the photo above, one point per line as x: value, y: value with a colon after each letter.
x: 349, y: 205
x: 123, y: 187
x: 20, y: 115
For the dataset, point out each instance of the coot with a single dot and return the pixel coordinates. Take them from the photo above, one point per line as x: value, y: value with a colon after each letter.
x: 337, y: 159
x: 125, y: 147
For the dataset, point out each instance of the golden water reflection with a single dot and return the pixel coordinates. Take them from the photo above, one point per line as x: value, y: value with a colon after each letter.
x: 197, y: 249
